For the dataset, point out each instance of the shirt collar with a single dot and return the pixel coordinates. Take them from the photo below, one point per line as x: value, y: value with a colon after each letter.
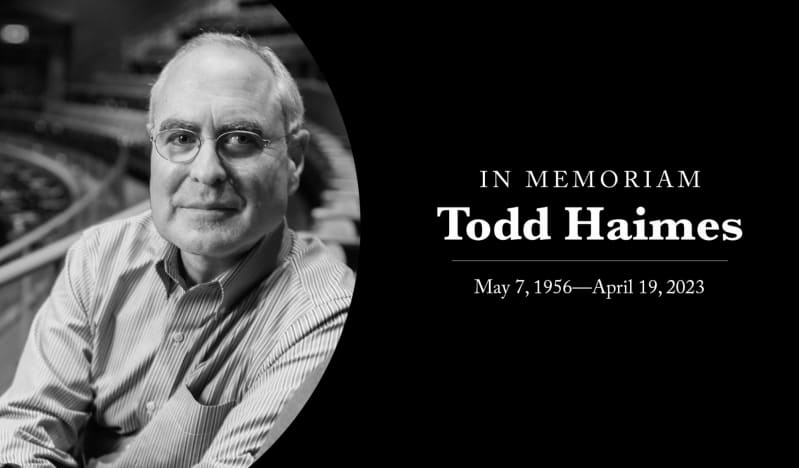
x: 266, y: 256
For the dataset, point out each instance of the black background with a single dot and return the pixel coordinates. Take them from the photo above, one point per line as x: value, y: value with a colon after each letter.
x: 427, y: 371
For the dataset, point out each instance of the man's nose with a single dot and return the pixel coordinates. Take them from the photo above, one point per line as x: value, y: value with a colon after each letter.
x: 207, y: 168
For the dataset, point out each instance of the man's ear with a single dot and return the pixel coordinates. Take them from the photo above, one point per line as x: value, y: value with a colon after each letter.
x: 297, y: 145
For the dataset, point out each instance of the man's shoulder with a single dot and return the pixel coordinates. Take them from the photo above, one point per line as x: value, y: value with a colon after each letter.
x: 132, y: 237
x: 142, y: 220
x: 323, y: 276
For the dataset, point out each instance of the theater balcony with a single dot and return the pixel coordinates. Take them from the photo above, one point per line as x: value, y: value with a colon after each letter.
x: 74, y: 151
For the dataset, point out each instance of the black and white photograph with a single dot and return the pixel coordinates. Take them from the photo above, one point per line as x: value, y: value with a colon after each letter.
x: 179, y: 235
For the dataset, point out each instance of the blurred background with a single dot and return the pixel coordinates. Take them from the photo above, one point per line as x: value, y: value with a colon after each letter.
x: 74, y: 90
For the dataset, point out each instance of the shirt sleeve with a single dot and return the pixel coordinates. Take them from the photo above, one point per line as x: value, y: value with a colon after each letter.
x: 247, y: 426
x: 47, y: 405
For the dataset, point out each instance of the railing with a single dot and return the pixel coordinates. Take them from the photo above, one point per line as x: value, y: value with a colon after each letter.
x: 83, y: 212
x: 24, y: 285
x: 28, y: 276
x: 53, y: 253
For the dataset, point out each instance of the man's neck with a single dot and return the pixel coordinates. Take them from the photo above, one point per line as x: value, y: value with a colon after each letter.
x: 200, y: 269
x: 196, y: 269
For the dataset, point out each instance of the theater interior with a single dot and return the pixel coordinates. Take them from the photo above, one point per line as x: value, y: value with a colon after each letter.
x: 74, y: 91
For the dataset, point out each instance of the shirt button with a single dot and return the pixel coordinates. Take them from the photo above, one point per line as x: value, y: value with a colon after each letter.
x: 177, y: 337
x: 150, y: 406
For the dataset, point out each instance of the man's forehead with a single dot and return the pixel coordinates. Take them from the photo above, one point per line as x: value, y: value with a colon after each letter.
x: 217, y: 64
x: 230, y: 82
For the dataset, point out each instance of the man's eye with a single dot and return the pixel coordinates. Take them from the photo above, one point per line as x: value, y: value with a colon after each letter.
x: 239, y: 139
x: 182, y: 138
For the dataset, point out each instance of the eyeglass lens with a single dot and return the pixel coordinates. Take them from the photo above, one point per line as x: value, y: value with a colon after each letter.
x: 180, y: 145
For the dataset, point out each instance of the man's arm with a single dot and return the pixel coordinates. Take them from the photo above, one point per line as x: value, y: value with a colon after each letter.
x: 46, y: 407
x: 247, y: 426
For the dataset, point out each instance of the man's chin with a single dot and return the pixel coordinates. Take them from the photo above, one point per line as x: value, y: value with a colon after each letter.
x: 209, y: 247
x: 199, y: 218
x: 208, y: 241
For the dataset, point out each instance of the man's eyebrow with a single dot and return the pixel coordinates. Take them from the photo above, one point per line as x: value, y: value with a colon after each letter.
x: 248, y: 125
x: 179, y: 123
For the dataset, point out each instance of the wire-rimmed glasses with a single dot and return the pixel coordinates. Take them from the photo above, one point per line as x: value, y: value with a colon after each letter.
x: 181, y: 146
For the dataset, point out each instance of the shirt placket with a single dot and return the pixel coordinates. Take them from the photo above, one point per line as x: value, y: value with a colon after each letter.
x: 184, y: 322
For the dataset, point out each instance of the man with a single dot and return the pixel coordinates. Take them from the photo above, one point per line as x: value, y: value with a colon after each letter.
x: 175, y: 338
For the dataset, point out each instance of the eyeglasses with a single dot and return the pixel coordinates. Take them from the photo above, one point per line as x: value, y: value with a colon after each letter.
x: 181, y: 146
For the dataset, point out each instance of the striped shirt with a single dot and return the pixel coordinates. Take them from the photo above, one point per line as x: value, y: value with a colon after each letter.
x: 128, y: 366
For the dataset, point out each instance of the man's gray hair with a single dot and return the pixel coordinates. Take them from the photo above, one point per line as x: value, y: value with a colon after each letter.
x: 288, y: 95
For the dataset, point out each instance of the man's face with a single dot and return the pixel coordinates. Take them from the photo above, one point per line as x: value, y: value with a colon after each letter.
x: 212, y: 207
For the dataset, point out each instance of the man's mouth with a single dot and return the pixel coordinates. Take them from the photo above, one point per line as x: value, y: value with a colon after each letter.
x: 211, y: 206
